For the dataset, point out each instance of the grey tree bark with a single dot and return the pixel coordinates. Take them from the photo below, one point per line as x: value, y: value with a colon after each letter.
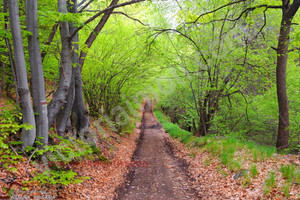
x: 10, y: 52
x: 75, y: 101
x: 80, y: 118
x: 59, y: 97
x: 37, y: 76
x: 27, y: 136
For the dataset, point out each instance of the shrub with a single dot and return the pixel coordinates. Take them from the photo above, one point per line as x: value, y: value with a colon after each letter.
x: 9, y: 127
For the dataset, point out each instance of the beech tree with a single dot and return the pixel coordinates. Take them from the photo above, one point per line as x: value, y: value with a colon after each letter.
x: 37, y: 75
x: 67, y: 104
x: 27, y: 136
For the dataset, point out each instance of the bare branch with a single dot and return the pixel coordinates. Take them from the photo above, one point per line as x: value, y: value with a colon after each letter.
x: 187, y: 37
x: 244, y: 12
x: 49, y: 41
x: 250, y: 9
x: 122, y: 13
x: 28, y: 163
x: 84, y: 7
x: 294, y: 49
x: 102, y: 12
x: 265, y: 22
x: 219, y: 8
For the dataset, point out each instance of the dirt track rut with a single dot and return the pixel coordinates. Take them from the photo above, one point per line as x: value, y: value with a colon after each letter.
x: 165, y: 176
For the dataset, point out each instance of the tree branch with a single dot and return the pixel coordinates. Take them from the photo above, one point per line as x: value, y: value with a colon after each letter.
x: 215, y: 10
x: 187, y: 37
x: 294, y: 49
x: 246, y: 11
x: 49, y: 41
x: 134, y: 19
x: 102, y: 12
x: 84, y: 7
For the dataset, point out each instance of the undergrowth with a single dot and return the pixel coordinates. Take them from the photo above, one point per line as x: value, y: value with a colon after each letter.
x: 227, y: 148
x: 232, y: 150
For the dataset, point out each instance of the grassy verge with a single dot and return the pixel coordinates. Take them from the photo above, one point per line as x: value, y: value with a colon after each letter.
x: 224, y: 147
x: 235, y: 154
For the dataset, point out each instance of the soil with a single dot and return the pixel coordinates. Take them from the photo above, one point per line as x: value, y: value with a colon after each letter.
x: 156, y: 173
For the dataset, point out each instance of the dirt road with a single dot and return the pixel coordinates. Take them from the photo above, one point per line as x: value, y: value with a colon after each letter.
x: 165, y: 176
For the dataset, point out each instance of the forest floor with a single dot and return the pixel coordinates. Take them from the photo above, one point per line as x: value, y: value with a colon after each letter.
x: 176, y: 171
x: 149, y: 164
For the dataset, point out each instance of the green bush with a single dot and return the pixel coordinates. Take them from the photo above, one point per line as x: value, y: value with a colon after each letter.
x: 9, y: 127
x: 55, y: 177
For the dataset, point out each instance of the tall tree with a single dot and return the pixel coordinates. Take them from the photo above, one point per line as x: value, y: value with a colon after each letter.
x: 37, y: 76
x: 65, y: 76
x: 288, y: 12
x: 27, y: 136
x: 75, y: 101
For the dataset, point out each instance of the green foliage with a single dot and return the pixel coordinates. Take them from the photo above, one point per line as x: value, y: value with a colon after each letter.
x: 221, y: 171
x: 207, y: 161
x: 9, y: 127
x: 288, y: 172
x: 297, y: 176
x: 67, y: 150
x: 173, y: 129
x: 270, y: 182
x: 55, y: 177
x: 97, y: 151
x: 60, y: 156
x: 196, y: 71
x: 246, y: 179
x: 224, y: 148
x: 253, y: 171
x: 286, y: 189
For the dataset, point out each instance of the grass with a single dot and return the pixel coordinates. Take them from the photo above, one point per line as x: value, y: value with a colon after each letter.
x: 288, y: 172
x: 207, y: 161
x: 270, y: 182
x: 286, y: 189
x: 173, y: 129
x: 297, y: 176
x: 232, y: 151
x: 246, y: 180
x: 253, y: 171
x: 224, y: 148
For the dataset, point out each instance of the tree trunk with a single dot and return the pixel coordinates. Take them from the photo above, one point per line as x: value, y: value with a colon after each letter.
x: 64, y: 114
x: 3, y: 77
x: 80, y: 118
x: 59, y: 97
x: 27, y: 136
x: 75, y: 101
x: 11, y: 60
x: 37, y: 76
x: 288, y: 12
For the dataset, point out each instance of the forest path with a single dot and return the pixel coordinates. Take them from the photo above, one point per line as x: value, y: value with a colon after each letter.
x: 165, y: 176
